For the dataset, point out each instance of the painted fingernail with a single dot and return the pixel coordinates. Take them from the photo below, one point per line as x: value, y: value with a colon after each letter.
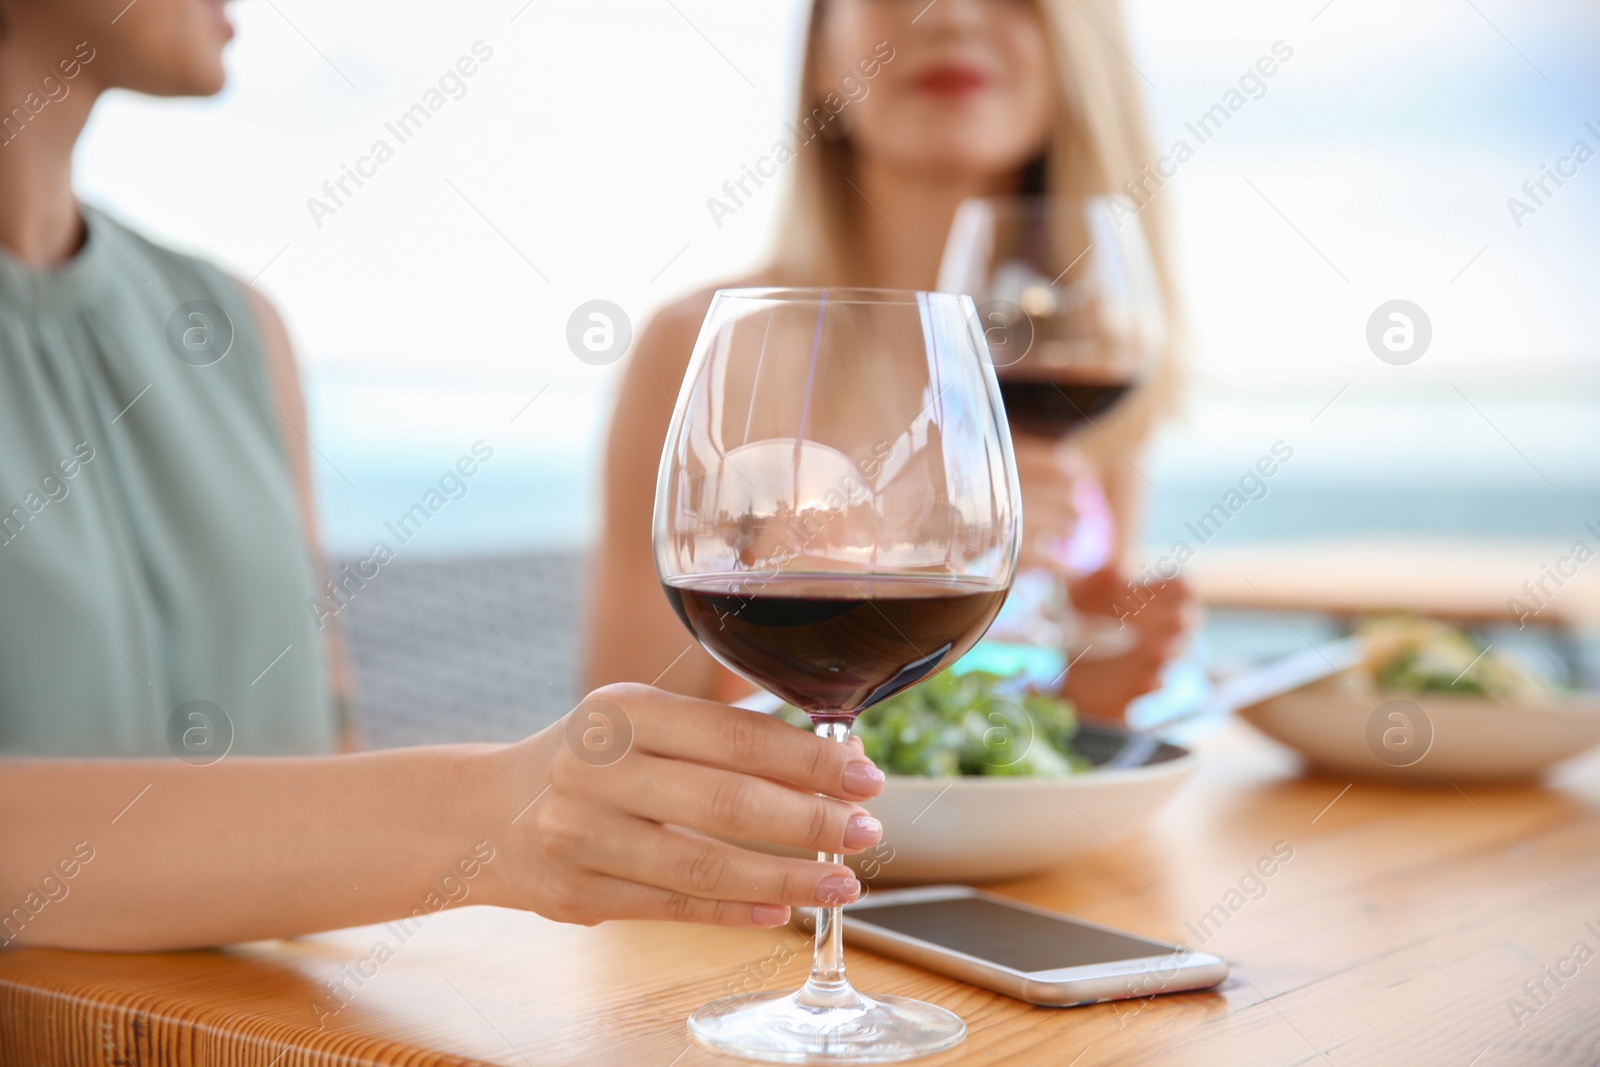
x: 861, y: 831
x: 862, y: 778
x: 769, y: 914
x: 838, y: 889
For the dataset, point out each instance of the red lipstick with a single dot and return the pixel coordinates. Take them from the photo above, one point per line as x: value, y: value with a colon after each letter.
x: 951, y: 79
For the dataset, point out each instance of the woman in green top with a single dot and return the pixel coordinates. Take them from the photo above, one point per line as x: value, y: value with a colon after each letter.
x: 154, y: 567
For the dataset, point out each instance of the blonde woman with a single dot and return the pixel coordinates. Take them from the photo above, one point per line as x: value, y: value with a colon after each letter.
x: 907, y: 109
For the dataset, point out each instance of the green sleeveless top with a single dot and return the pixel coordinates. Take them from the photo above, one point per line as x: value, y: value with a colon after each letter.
x: 152, y: 564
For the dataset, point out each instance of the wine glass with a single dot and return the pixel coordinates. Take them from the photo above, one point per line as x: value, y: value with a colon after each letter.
x: 836, y: 520
x: 1073, y: 314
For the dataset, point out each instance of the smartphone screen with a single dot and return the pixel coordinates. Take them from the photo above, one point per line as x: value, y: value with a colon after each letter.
x: 1011, y: 937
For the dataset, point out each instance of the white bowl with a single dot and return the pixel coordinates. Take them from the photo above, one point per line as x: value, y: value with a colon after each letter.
x: 1426, y: 736
x: 978, y: 829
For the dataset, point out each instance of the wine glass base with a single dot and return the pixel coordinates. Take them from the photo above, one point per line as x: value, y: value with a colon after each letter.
x: 781, y: 1029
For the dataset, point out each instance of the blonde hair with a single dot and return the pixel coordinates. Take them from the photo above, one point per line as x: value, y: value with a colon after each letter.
x: 1100, y: 142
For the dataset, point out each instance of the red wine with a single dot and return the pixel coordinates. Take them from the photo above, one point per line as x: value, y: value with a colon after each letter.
x: 835, y: 644
x: 1054, y: 409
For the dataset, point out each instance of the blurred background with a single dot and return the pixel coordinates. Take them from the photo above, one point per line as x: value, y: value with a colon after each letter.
x: 430, y: 307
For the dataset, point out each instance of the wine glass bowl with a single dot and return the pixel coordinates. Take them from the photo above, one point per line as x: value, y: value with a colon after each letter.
x: 832, y: 449
x: 836, y: 519
x: 1069, y: 300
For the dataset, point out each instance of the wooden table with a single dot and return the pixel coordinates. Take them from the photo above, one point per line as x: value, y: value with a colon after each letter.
x: 1398, y: 932
x: 1468, y: 580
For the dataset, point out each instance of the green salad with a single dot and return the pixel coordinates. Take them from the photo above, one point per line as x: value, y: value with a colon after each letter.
x: 967, y: 724
x: 1405, y: 654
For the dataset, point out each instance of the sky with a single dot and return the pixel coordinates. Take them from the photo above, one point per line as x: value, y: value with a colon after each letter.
x: 575, y: 163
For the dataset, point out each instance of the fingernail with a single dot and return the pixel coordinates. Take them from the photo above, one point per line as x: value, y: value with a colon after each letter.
x: 838, y: 889
x: 862, y: 778
x: 769, y: 914
x: 861, y: 831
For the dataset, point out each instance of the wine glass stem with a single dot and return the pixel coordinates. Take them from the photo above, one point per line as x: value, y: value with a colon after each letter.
x: 827, y: 986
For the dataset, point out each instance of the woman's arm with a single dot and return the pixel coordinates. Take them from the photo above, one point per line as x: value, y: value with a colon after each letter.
x: 597, y: 817
x: 175, y: 856
x: 633, y: 634
x: 1159, y: 612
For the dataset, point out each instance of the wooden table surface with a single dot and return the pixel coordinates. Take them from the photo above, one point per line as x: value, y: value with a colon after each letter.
x: 1400, y: 931
x: 1469, y: 580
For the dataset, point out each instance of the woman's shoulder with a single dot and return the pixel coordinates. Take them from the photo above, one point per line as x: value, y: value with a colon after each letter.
x: 191, y: 290
x: 693, y: 306
x: 659, y: 342
x: 159, y: 262
x: 178, y: 284
x: 652, y: 378
x: 667, y: 340
x: 193, y: 278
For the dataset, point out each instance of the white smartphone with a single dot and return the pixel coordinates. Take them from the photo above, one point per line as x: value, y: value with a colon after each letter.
x: 1022, y: 951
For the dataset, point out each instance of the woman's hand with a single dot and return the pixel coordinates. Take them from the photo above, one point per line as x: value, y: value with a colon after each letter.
x: 1157, y: 617
x: 623, y: 792
x: 1067, y: 523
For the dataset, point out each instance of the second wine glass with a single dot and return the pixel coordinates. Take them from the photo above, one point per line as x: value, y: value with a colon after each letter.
x: 1073, y: 312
